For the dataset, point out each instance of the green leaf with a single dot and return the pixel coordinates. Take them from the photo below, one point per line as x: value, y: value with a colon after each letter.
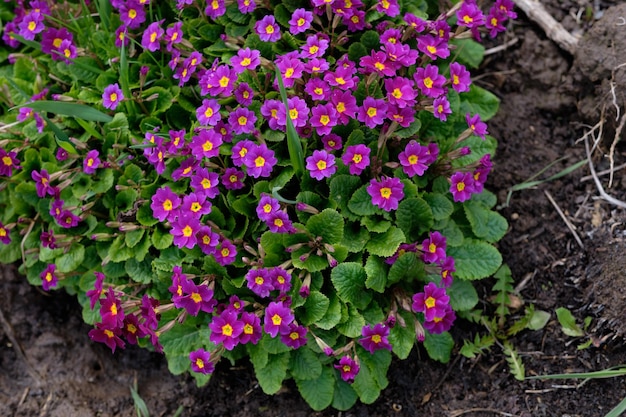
x: 318, y: 393
x: 355, y: 237
x: 475, y: 259
x: 469, y: 52
x: 409, y: 131
x: 401, y: 338
x: 463, y: 295
x: 385, y: 244
x: 342, y: 187
x: 365, y: 385
x: 370, y: 39
x: 332, y: 316
x: 349, y: 279
x: 376, y: 274
x: 345, y: 396
x: 145, y: 217
x: 328, y: 224
x: 479, y: 101
x: 179, y: 341
x: 375, y: 224
x: 10, y: 253
x: 378, y: 363
x: 353, y: 326
x: 72, y: 259
x: 405, y: 267
x: 516, y: 366
x: 538, y: 320
x: 486, y: 224
x: 294, y: 146
x: 568, y: 323
x: 356, y: 51
x: 271, y: 376
x: 80, y: 111
x: 315, y: 308
x: 133, y: 237
x: 361, y: 203
x: 414, y: 216
x: 441, y: 206
x: 305, y: 364
x: 140, y: 271
x: 439, y: 346
x: 125, y: 199
x: 162, y: 239
x: 119, y: 252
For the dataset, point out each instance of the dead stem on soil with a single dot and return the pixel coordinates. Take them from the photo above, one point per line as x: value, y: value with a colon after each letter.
x: 602, y: 173
x: 500, y: 48
x: 569, y: 224
x: 618, y: 133
x: 46, y: 406
x: 8, y: 330
x: 599, y: 186
x: 457, y: 413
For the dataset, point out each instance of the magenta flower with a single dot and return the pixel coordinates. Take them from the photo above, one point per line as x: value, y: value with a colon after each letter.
x: 148, y: 310
x: 404, y: 117
x: 48, y: 240
x: 151, y: 38
x: 132, y: 329
x: 372, y: 112
x: 91, y: 162
x: 481, y: 172
x: 240, y: 150
x: 259, y: 282
x: 400, y: 54
x: 377, y: 62
x: 318, y: 89
x: 111, y: 310
x: 441, y: 323
x: 266, y: 207
x: 225, y: 329
x: 277, y: 318
x: 51, y: 40
x: 298, y: 112
x: 233, y: 179
x: 48, y: 278
x: 375, y: 338
x: 184, y: 230
x: 196, y: 205
x: 290, y: 69
x: 267, y: 29
x: 31, y: 25
x: 400, y: 92
x: 300, y: 21
x: 432, y: 302
x: 226, y: 253
x: 222, y: 81
x: 356, y: 158
x: 356, y: 21
x: 461, y: 186
x: 252, y: 330
x: 342, y: 78
x: 349, y: 368
x: 195, y: 298
x: 495, y: 20
x: 260, y: 161
x: 246, y: 58
x: 429, y: 81
x: 386, y: 193
x: 242, y: 121
x: 447, y: 268
x: 132, y: 14
x: 316, y: 66
x: 269, y: 110
x: 186, y: 169
x: 108, y: 336
x: 164, y: 204
x: 246, y: 6
x: 208, y: 114
x: 507, y: 7
x: 215, y: 8
x: 42, y: 183
x: 441, y: 108
x: 332, y: 142
x: 414, y: 159
x: 434, y: 248
x: 281, y: 279
x: 388, y: 7
x: 205, y: 144
x: 295, y: 337
x: 173, y: 35
x: 97, y: 291
x: 478, y: 127
x: 205, y: 182
x: 112, y: 96
x: 459, y: 77
x: 433, y: 47
x: 201, y: 362
x: 278, y: 222
x: 8, y: 162
x: 315, y: 47
x: 207, y: 240
x: 321, y: 165
x: 469, y: 15
x: 391, y: 35
x: 345, y: 104
x: 323, y: 118
x: 67, y: 219
x: 244, y: 94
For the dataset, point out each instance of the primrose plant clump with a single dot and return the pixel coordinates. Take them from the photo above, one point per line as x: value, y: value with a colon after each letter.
x: 298, y: 182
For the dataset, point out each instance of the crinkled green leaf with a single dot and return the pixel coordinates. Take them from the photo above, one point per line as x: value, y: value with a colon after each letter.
x: 361, y: 203
x: 161, y: 238
x: 376, y: 274
x: 318, y: 392
x: 375, y: 224
x: 475, y: 259
x: 353, y: 325
x: 139, y: 271
x: 305, y: 364
x: 119, y: 252
x: 328, y: 224
x: 402, y: 338
x: 314, y: 308
x: 405, y: 267
x: 463, y: 295
x: 342, y: 187
x: 486, y: 224
x: 440, y: 205
x: 479, y: 101
x: 344, y: 396
x: 409, y: 131
x: 354, y: 237
x: 469, y: 52
x: 349, y: 279
x: 72, y: 259
x: 568, y: 323
x: 385, y: 244
x: 414, y: 217
x: 271, y: 376
x: 333, y: 314
x: 439, y: 346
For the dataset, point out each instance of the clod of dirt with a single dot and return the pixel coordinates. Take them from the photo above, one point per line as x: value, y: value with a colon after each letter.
x: 601, y: 60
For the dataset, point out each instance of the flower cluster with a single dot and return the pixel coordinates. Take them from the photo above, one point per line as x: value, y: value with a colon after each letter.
x: 262, y: 176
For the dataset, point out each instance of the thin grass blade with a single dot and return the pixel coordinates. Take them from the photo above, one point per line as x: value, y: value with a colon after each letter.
x: 618, y: 410
x: 61, y: 138
x: 605, y: 373
x: 294, y: 145
x: 80, y: 111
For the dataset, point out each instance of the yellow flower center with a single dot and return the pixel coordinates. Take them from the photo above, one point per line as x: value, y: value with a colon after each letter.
x: 293, y: 114
x: 109, y: 333
x: 324, y: 119
x: 245, y: 62
x: 114, y: 309
x: 340, y: 80
x: 259, y: 281
x: 6, y: 160
x: 207, y: 146
x: 321, y: 165
x: 248, y: 329
x: 153, y: 36
x: 57, y: 42
x: 277, y: 320
x: 371, y: 111
x: 385, y: 4
x: 455, y: 80
x: 32, y: 25
x: 313, y: 49
x: 225, y: 252
x: 432, y: 248
x: 259, y: 162
x: 90, y: 162
x: 397, y: 93
x: 289, y: 73
x: 48, y: 277
x: 167, y: 205
x: 215, y: 5
x: 413, y: 159
x: 428, y: 82
x: 430, y: 302
x: 208, y: 112
x: 130, y: 328
x: 267, y: 208
x: 294, y: 336
x: 278, y: 222
x: 224, y: 81
x: 269, y: 29
x: 206, y: 239
x: 376, y: 338
x: 319, y: 91
x: 468, y: 19
x: 3, y: 232
x: 199, y: 363
x: 187, y: 231
x: 242, y: 120
x: 196, y: 207
x: 197, y: 298
x: 132, y: 13
x: 385, y: 192
x: 460, y: 186
x: 301, y: 21
x: 206, y: 183
x: 357, y: 158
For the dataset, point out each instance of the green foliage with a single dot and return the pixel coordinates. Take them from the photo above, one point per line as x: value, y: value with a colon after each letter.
x: 334, y: 249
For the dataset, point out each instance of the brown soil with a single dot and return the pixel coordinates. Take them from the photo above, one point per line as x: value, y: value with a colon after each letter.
x: 49, y: 367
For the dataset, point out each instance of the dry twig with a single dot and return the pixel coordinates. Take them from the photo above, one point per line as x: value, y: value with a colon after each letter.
x: 599, y: 186
x: 569, y: 224
x: 554, y: 30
